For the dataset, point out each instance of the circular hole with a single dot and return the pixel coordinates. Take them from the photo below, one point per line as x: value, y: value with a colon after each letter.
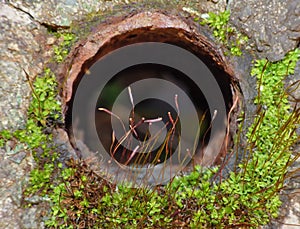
x: 146, y: 109
x: 166, y: 112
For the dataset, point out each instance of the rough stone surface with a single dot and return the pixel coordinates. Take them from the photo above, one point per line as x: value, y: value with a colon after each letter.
x: 274, y: 26
x: 22, y: 47
x: 289, y: 214
x: 13, y: 176
x: 59, y: 13
x: 204, y: 6
x: 65, y: 149
x: 19, y: 49
x: 293, y: 87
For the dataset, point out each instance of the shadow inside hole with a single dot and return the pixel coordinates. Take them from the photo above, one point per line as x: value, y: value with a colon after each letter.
x: 150, y: 108
x: 223, y: 79
x: 142, y: 131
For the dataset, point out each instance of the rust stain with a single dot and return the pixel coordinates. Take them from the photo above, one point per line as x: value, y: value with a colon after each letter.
x: 141, y: 27
x: 105, y: 39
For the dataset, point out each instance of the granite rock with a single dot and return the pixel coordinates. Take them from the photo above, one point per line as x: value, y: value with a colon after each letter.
x: 272, y: 25
x: 20, y: 50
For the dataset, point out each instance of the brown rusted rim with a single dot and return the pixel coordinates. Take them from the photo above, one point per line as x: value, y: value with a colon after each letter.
x: 151, y: 27
x: 142, y: 27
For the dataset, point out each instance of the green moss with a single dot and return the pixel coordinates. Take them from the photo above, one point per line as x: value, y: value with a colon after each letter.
x: 250, y: 197
x: 5, y: 136
x: 226, y: 34
x: 63, y: 48
x: 44, y: 110
x: 247, y: 198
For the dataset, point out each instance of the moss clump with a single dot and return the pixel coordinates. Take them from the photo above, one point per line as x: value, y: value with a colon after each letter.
x: 248, y: 198
x: 63, y: 48
x: 44, y: 110
x: 79, y: 198
x: 226, y: 34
